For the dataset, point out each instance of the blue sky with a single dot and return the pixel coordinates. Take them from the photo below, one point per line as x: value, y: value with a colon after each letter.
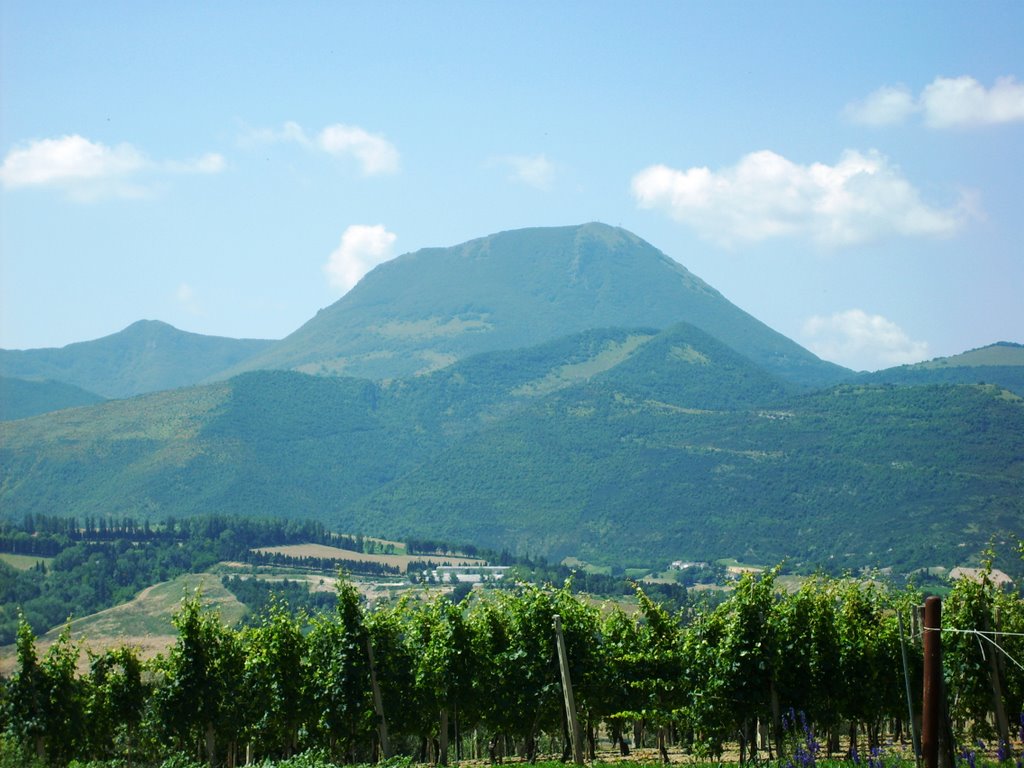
x: 849, y: 173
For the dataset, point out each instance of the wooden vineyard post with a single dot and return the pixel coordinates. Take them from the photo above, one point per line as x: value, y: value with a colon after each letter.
x: 378, y: 703
x: 570, y: 702
x: 932, y: 710
x: 1002, y: 723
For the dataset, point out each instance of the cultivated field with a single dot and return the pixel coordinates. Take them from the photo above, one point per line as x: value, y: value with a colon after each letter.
x: 401, y: 562
x: 24, y: 562
x: 144, y: 623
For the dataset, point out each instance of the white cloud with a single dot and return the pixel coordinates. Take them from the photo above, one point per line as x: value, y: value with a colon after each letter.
x: 187, y: 298
x: 946, y: 102
x: 67, y: 159
x: 362, y: 248
x: 963, y: 102
x: 87, y: 170
x: 374, y: 153
x: 861, y: 341
x: 290, y: 132
x: 533, y: 170
x: 208, y: 163
x: 886, y: 106
x: 861, y: 198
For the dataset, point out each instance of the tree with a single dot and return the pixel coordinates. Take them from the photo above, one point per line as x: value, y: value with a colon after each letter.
x: 620, y: 701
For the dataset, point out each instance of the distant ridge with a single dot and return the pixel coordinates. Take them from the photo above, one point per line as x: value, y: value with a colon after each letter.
x: 1001, y: 363
x: 20, y: 399
x: 426, y: 309
x: 1001, y: 353
x: 147, y: 356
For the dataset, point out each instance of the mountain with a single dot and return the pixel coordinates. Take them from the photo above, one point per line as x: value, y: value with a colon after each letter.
x: 147, y: 356
x: 516, y: 289
x: 620, y: 445
x: 1001, y: 363
x: 20, y: 399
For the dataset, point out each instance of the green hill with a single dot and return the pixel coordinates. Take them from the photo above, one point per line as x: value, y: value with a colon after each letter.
x: 609, y: 477
x: 147, y: 356
x: 1001, y: 363
x: 143, y: 623
x: 622, y: 445
x: 427, y: 309
x: 20, y: 399
x: 1002, y: 353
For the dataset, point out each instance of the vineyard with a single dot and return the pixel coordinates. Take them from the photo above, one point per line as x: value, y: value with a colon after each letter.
x: 766, y: 675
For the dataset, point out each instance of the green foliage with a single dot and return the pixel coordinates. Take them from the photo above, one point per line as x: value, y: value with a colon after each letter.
x: 979, y: 606
x: 115, y: 702
x: 824, y: 654
x: 807, y: 652
x: 276, y: 676
x: 107, y: 562
x: 339, y: 674
x: 46, y: 699
x: 868, y: 655
x: 15, y: 754
x: 201, y: 678
x: 654, y: 458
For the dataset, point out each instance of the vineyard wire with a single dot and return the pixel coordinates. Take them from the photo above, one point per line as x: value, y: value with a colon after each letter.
x: 987, y: 636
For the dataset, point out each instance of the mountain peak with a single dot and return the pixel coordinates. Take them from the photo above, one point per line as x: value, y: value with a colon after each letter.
x: 428, y: 308
x: 147, y: 356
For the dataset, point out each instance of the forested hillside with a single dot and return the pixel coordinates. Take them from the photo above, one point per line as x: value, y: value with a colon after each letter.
x: 618, y: 446
x: 1001, y: 364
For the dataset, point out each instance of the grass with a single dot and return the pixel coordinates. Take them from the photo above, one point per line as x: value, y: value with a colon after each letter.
x: 732, y: 565
x: 581, y: 565
x: 143, y: 623
x: 566, y: 375
x: 398, y: 561
x: 24, y: 562
x: 996, y: 354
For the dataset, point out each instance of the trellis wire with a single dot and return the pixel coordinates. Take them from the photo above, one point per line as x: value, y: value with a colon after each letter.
x: 984, y: 636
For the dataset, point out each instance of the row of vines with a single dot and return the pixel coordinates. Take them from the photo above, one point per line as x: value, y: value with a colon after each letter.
x: 439, y: 681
